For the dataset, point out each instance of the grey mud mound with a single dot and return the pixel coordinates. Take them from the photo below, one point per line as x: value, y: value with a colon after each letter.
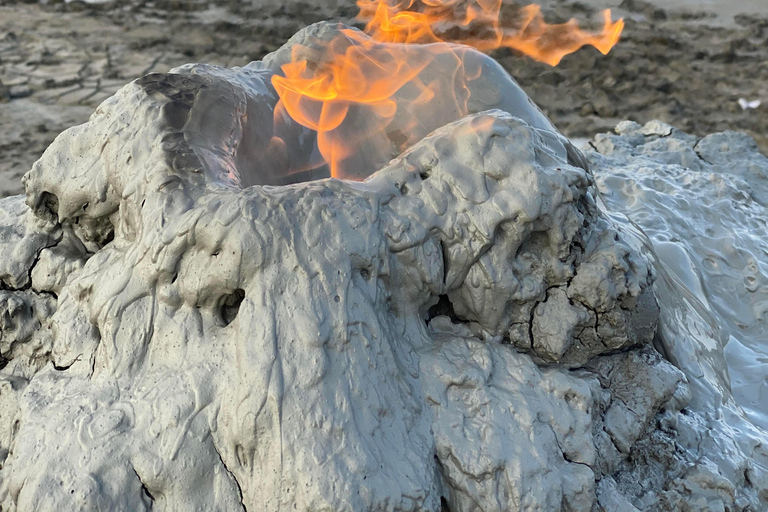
x: 467, y: 329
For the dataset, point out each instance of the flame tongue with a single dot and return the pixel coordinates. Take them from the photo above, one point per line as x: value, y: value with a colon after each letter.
x: 354, y: 71
x: 370, y: 97
x: 481, y: 21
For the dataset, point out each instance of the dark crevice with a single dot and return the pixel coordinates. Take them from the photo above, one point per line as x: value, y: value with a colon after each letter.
x: 230, y: 305
x: 702, y: 158
x: 597, y: 321
x: 146, y: 491
x: 48, y: 207
x: 588, y: 308
x: 565, y: 456
x: 659, y: 345
x: 110, y: 237
x: 530, y: 323
x: 613, y: 352
x: 444, y: 252
x: 97, y: 333
x: 67, y: 367
x: 239, y: 489
x: 444, y: 506
x: 28, y: 286
x: 699, y: 154
x: 144, y: 488
x: 444, y: 307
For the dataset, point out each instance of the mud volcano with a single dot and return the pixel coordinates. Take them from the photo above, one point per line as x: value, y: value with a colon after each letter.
x: 192, y: 320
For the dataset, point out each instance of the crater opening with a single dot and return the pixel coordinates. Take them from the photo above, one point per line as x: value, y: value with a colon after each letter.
x: 444, y: 307
x: 229, y: 306
x: 48, y: 207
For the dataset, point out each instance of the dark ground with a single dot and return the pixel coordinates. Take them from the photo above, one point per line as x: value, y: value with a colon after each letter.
x: 59, y: 61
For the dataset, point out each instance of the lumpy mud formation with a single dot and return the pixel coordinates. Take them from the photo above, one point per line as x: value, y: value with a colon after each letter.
x: 467, y: 329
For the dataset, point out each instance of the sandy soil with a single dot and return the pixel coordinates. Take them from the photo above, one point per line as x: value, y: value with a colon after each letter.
x: 686, y: 62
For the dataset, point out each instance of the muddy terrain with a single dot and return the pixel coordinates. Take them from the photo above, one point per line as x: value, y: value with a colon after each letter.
x: 683, y: 65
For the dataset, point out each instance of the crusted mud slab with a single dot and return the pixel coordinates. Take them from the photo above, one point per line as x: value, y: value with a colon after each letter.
x: 677, y: 64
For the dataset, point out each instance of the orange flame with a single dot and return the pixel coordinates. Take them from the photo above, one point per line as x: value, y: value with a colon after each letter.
x: 361, y: 74
x: 481, y: 19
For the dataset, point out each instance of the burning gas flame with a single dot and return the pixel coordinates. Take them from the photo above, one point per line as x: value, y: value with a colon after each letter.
x: 365, y: 73
x: 532, y: 36
x: 360, y: 73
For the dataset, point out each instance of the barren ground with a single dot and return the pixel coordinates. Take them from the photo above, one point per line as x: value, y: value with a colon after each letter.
x: 683, y: 64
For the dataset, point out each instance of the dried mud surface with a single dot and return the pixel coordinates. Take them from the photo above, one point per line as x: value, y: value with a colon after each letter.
x: 60, y: 60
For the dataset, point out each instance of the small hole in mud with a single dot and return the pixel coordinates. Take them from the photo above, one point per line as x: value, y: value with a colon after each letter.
x: 444, y: 505
x: 365, y: 274
x: 444, y: 307
x: 240, y: 455
x: 230, y: 305
x: 49, y: 206
x: 423, y: 175
x: 98, y: 230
